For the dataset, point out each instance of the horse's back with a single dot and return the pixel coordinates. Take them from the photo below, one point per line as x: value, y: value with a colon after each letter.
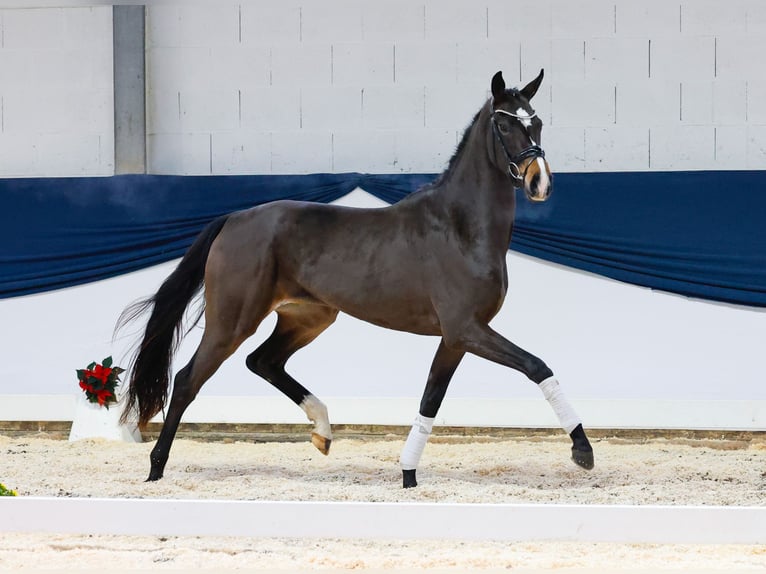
x: 359, y: 260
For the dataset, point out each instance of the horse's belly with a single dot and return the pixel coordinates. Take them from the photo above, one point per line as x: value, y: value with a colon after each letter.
x: 413, y: 314
x: 397, y: 304
x: 419, y: 323
x: 390, y: 291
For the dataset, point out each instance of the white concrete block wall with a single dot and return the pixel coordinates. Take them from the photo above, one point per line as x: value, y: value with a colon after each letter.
x: 241, y: 151
x: 679, y: 58
x: 377, y: 148
x: 565, y: 147
x: 755, y: 110
x: 331, y: 108
x: 581, y: 19
x: 262, y: 24
x: 56, y: 95
x: 681, y: 147
x: 393, y: 107
x: 425, y: 63
x: 393, y: 21
x: 227, y: 78
x: 514, y: 21
x: 616, y: 148
x: 616, y: 59
x: 477, y: 61
x: 731, y: 146
x: 303, y: 64
x: 729, y: 102
x: 362, y: 63
x: 336, y: 21
x: 446, y: 107
x: 273, y: 109
x: 647, y: 19
x: 380, y: 86
x: 755, y: 146
x: 730, y: 17
x: 454, y: 21
x: 289, y: 151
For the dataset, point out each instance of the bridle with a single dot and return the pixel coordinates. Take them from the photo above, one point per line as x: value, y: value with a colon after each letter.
x: 532, y: 152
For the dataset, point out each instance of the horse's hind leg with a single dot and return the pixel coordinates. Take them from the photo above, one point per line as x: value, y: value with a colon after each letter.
x: 443, y: 367
x: 297, y: 325
x: 219, y: 341
x: 212, y: 351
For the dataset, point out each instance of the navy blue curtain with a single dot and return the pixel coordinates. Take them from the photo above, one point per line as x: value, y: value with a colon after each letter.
x: 699, y: 234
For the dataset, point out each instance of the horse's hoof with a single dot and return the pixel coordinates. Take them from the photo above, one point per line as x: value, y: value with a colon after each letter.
x: 583, y: 458
x: 408, y: 477
x: 154, y: 476
x: 322, y: 443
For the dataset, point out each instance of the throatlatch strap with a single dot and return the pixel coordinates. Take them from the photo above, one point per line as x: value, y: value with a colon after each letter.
x: 555, y: 396
x: 416, y: 442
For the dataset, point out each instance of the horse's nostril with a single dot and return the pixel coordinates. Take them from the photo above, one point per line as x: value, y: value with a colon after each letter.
x: 535, y: 182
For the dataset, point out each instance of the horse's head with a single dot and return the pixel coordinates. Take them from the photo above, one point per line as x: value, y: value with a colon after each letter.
x: 515, y: 137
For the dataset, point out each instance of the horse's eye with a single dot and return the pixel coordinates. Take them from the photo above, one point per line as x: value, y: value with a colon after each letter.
x: 503, y: 128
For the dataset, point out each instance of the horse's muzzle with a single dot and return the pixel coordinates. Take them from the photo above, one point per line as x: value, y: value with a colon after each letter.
x: 538, y: 182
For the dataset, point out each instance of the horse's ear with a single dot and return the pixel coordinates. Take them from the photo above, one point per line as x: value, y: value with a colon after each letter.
x: 498, y: 86
x: 531, y: 88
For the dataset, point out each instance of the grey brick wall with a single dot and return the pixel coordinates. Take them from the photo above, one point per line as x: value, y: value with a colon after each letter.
x: 261, y: 86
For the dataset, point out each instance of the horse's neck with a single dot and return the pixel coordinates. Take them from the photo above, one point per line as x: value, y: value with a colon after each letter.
x: 483, y: 194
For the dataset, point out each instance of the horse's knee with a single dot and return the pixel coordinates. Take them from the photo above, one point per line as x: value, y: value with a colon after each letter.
x: 478, y: 343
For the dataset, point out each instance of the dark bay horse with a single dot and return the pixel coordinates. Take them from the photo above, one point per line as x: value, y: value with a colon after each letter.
x: 432, y: 264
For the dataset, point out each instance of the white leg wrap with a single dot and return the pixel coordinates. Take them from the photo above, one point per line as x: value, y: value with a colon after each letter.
x: 564, y: 411
x: 416, y: 442
x: 316, y: 411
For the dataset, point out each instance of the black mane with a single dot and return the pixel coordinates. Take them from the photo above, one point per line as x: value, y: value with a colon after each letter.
x: 445, y: 175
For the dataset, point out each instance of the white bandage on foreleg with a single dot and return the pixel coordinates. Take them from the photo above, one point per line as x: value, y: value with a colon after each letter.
x: 564, y: 411
x: 416, y: 442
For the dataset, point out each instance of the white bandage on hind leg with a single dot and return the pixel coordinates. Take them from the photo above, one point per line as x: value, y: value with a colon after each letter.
x: 416, y: 442
x: 316, y: 411
x: 564, y: 411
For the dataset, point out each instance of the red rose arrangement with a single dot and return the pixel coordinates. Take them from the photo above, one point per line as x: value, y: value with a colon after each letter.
x: 99, y: 381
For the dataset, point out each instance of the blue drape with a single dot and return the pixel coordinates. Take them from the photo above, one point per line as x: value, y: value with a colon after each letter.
x: 699, y: 234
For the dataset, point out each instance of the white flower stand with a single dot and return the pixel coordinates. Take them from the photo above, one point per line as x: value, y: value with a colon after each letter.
x: 94, y: 421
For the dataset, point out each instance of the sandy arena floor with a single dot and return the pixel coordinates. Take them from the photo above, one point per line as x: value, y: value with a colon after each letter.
x: 453, y: 469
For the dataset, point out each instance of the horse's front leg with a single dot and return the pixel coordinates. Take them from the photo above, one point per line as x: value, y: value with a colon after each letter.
x: 582, y: 451
x: 481, y: 340
x: 443, y: 367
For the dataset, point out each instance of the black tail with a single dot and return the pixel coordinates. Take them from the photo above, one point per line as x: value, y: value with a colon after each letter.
x: 150, y: 371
